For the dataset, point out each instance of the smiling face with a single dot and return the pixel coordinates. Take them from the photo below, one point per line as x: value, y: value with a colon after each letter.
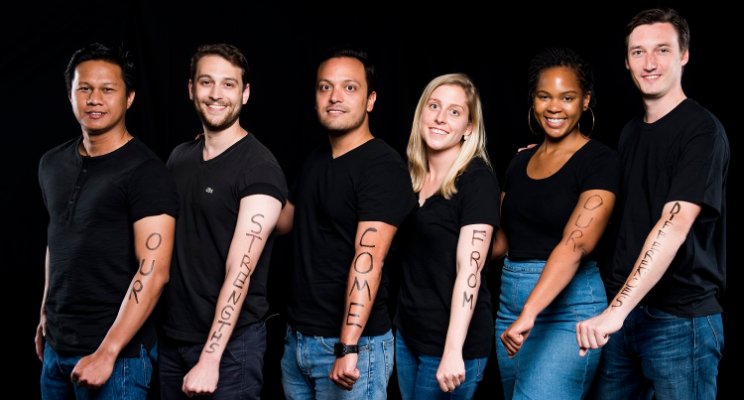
x: 99, y: 97
x: 559, y: 102
x: 655, y: 59
x: 341, y: 99
x: 218, y: 92
x: 445, y: 119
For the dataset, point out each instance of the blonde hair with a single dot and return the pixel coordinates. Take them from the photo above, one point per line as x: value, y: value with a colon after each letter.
x: 474, y: 146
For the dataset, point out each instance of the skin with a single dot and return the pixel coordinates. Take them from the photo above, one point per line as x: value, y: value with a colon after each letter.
x: 558, y: 104
x: 99, y: 101
x: 655, y: 61
x: 218, y: 94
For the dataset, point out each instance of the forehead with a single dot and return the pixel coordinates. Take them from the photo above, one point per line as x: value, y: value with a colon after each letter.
x: 98, y: 70
x: 450, y: 93
x: 559, y: 76
x: 342, y: 69
x: 653, y: 34
x: 217, y: 66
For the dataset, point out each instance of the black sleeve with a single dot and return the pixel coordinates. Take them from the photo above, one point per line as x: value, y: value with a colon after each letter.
x: 265, y: 178
x: 479, y: 194
x: 601, y: 170
x: 385, y: 192
x: 152, y: 191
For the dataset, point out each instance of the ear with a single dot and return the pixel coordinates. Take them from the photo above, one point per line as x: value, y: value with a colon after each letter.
x: 130, y: 99
x: 468, y: 130
x: 587, y: 99
x: 246, y: 92
x: 627, y: 66
x: 371, y: 101
x: 191, y: 90
x: 685, y: 57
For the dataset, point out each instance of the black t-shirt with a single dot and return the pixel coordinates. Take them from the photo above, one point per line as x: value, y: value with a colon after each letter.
x: 211, y: 192
x: 369, y: 183
x: 93, y: 203
x: 429, y: 245
x: 684, y: 156
x: 535, y: 211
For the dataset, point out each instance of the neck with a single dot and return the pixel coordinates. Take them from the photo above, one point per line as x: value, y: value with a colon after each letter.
x: 657, y: 108
x: 216, y: 142
x: 101, y: 144
x: 440, y: 162
x: 344, y: 143
x: 569, y: 142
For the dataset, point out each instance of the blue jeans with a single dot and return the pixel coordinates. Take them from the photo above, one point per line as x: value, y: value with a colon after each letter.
x: 548, y: 365
x: 677, y: 356
x: 129, y: 380
x: 308, y: 360
x: 241, y: 366
x: 417, y: 375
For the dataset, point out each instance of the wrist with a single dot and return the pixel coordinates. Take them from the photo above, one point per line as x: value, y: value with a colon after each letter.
x: 342, y: 349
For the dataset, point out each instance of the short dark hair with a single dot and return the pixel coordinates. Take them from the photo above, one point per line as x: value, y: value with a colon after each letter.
x: 661, y: 15
x: 229, y: 52
x: 361, y: 55
x: 98, y: 51
x: 560, y: 57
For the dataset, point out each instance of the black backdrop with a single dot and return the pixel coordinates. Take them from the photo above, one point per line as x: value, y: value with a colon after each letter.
x: 281, y: 43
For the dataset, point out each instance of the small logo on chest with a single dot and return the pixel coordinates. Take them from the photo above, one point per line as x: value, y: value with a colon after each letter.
x: 209, y: 190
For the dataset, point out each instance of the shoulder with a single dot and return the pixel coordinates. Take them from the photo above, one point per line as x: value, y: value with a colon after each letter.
x: 59, y: 151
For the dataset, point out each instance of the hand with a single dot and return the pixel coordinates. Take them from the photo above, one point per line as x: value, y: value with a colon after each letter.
x: 529, y: 146
x: 345, y: 373
x: 202, y: 379
x: 39, y: 338
x: 516, y: 334
x: 93, y: 370
x: 595, y: 332
x: 451, y: 371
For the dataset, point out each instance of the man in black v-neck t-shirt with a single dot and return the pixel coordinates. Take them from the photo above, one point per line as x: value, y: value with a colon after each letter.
x: 347, y: 204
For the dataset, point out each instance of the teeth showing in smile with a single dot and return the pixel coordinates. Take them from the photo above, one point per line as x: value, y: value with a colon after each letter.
x: 437, y: 131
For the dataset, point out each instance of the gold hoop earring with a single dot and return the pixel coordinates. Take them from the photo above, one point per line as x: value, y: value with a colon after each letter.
x: 529, y: 122
x: 590, y: 130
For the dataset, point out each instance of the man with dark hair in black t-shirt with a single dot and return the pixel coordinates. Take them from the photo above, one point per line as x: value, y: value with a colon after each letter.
x: 349, y: 200
x: 668, y: 271
x: 112, y: 206
x: 232, y: 190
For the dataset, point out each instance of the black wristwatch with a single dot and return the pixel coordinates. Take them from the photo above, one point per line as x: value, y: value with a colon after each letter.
x: 341, y: 349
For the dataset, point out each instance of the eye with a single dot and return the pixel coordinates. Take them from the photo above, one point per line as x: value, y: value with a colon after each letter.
x: 635, y: 52
x: 324, y: 87
x: 107, y: 90
x: 230, y: 85
x: 454, y: 112
x: 433, y: 106
x: 542, y: 97
x: 351, y: 88
x: 568, y: 99
x: 205, y: 82
x: 664, y: 50
x: 84, y: 89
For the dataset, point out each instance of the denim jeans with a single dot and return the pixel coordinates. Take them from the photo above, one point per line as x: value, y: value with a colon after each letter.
x: 308, y: 360
x: 548, y: 365
x: 129, y: 380
x: 676, y: 356
x: 417, y: 375
x: 241, y: 366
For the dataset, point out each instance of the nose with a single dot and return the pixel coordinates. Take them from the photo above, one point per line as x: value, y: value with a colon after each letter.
x: 650, y: 62
x: 93, y: 98
x: 336, y: 95
x: 554, y: 106
x: 440, y: 116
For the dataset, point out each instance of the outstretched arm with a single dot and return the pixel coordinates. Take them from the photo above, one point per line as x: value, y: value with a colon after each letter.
x: 153, y: 246
x: 581, y: 234
x: 256, y: 219
x: 472, y: 254
x: 657, y: 253
x: 372, y: 243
